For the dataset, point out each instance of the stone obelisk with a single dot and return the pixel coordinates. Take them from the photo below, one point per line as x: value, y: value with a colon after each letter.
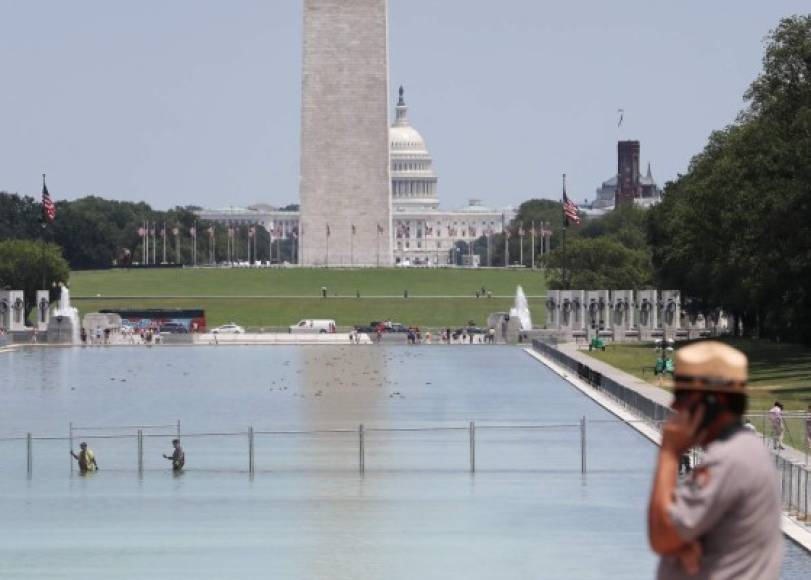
x: 345, y: 185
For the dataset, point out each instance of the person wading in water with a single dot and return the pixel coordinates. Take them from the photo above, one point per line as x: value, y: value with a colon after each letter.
x: 86, y: 458
x: 178, y: 457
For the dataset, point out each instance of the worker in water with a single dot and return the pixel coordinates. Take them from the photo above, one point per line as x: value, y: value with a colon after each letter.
x: 86, y: 458
x: 722, y: 521
x: 178, y: 457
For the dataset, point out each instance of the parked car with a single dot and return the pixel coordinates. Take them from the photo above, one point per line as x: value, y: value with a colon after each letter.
x: 310, y: 326
x: 230, y: 328
x: 173, y: 328
x: 386, y: 326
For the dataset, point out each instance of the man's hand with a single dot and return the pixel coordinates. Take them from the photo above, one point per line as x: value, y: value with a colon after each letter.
x: 681, y: 431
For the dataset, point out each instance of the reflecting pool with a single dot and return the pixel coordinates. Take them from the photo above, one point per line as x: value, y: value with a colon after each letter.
x: 416, y: 512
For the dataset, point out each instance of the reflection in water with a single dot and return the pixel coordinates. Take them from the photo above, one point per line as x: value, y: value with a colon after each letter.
x: 417, y: 513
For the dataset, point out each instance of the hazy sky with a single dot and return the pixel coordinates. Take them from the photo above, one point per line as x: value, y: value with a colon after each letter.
x: 197, y: 101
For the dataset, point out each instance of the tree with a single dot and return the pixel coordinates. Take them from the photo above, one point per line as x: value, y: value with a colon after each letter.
x: 94, y: 232
x: 735, y: 231
x: 24, y: 264
x: 599, y: 263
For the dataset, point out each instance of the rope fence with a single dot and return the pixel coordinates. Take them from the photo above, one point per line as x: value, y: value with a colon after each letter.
x: 141, y: 433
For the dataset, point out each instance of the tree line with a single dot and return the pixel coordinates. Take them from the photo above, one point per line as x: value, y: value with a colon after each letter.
x: 733, y: 232
x: 94, y: 232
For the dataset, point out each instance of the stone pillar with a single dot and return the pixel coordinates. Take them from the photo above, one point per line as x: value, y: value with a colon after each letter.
x: 16, y: 311
x: 647, y: 313
x: 572, y: 318
x: 345, y: 135
x: 597, y: 310
x: 671, y: 312
x: 5, y: 310
x: 552, y: 309
x: 622, y: 312
x: 42, y: 310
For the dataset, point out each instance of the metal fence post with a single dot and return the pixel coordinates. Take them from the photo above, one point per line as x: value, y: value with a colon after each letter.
x: 472, y: 447
x: 29, y: 457
x: 178, y: 428
x: 140, y: 452
x: 583, y: 444
x: 250, y: 451
x: 361, y: 449
x: 70, y: 442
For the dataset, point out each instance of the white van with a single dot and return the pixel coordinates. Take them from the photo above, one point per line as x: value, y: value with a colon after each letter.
x: 310, y: 326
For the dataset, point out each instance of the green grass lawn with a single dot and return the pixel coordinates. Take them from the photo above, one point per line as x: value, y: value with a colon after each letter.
x: 262, y: 298
x: 777, y: 371
x: 303, y: 282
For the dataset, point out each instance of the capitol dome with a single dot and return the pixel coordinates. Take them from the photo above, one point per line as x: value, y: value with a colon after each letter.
x: 413, y: 181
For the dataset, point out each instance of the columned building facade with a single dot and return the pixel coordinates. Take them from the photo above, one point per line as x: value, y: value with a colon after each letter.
x: 422, y: 234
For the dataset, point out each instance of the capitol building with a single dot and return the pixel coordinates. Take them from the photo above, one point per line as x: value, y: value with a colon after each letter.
x: 423, y: 234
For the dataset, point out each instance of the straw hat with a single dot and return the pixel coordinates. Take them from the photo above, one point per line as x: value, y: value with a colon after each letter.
x: 710, y: 366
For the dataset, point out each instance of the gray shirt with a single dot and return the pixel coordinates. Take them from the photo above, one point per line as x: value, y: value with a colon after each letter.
x: 730, y: 503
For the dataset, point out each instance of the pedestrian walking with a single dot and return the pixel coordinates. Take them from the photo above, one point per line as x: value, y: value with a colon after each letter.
x: 178, y: 457
x: 808, y: 427
x: 86, y: 458
x: 722, y: 521
x: 777, y: 424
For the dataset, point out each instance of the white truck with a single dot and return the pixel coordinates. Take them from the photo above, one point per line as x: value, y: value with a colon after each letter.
x: 313, y: 326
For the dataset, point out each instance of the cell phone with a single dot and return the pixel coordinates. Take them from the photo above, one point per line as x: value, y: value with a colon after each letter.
x: 712, y: 408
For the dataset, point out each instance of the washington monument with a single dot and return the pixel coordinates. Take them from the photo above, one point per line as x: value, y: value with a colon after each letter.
x: 345, y: 184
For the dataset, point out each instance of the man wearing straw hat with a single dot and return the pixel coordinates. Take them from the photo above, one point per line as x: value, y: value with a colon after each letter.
x: 723, y: 520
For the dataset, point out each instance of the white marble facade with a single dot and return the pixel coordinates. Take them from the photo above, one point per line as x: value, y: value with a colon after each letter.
x: 422, y: 233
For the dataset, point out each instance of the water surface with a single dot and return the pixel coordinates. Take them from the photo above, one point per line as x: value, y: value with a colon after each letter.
x: 417, y: 512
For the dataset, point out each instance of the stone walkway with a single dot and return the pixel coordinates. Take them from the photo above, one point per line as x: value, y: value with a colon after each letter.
x: 796, y: 530
x: 661, y: 396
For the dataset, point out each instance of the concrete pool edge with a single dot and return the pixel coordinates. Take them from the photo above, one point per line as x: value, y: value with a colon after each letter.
x: 792, y: 529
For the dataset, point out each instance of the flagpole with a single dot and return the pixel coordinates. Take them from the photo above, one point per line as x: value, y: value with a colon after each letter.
x: 44, y: 226
x: 164, y: 242
x: 521, y: 244
x: 532, y: 252
x: 565, y: 227
x: 194, y: 249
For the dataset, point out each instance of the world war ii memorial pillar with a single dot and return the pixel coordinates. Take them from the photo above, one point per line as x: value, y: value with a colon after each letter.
x: 345, y: 185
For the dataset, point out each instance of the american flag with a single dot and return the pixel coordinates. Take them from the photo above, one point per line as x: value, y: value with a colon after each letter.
x: 48, y: 207
x: 569, y: 211
x: 251, y: 231
x: 141, y: 232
